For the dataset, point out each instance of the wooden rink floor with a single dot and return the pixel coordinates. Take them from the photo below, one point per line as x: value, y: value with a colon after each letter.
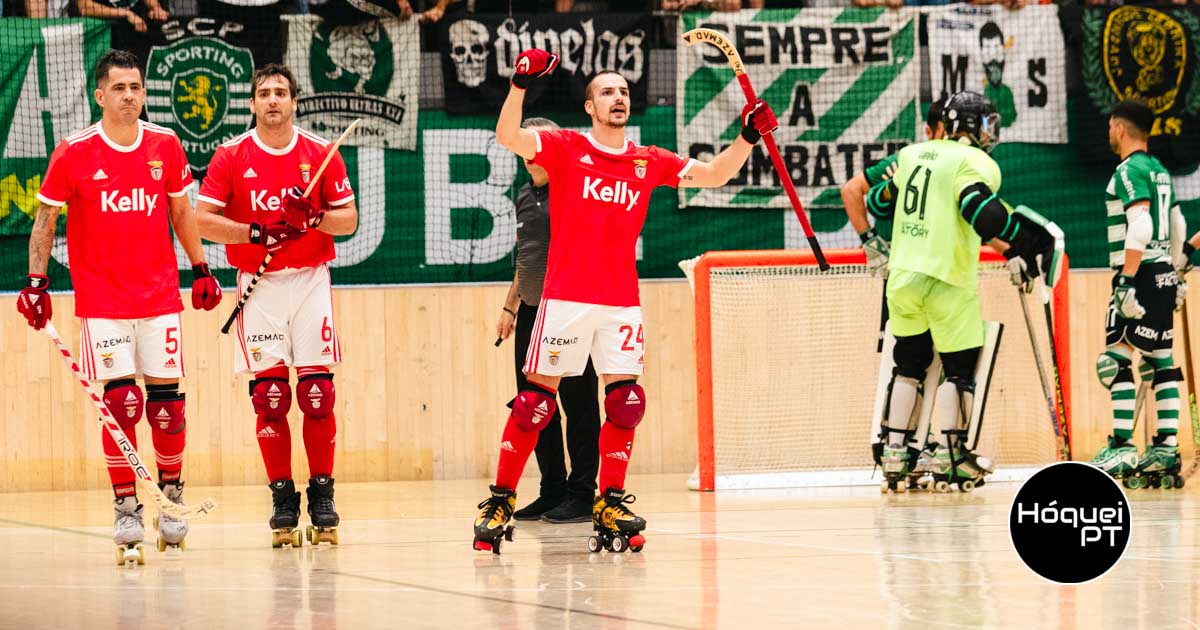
x: 814, y: 558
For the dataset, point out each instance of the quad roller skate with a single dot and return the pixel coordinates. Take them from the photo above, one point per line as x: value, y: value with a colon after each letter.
x: 1119, y: 460
x: 896, y: 462
x: 920, y: 474
x: 321, y: 511
x: 617, y: 527
x: 285, y: 514
x: 171, y: 531
x: 959, y: 467
x: 128, y: 531
x: 1159, y: 466
x: 492, y: 523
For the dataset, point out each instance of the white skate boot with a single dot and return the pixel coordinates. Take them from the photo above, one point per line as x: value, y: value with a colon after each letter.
x: 128, y: 531
x: 171, y: 530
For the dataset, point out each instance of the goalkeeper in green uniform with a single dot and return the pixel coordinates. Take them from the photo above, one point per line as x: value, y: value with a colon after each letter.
x: 943, y: 197
x: 1145, y: 233
x: 876, y: 239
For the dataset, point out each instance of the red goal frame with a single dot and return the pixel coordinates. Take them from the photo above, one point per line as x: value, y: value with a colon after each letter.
x: 706, y: 461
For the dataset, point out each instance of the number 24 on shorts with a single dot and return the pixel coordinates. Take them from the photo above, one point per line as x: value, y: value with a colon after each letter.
x: 628, y: 332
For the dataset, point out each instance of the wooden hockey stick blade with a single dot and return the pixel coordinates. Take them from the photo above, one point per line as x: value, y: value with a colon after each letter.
x: 1191, y: 385
x: 312, y: 183
x: 132, y: 459
x: 718, y: 39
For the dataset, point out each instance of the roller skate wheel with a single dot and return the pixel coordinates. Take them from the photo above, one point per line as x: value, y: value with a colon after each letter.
x: 1178, y: 482
x: 1166, y: 483
x: 594, y: 545
x: 941, y: 486
x: 966, y: 486
x: 333, y: 538
x: 901, y: 487
x: 1133, y: 483
x: 508, y: 533
x: 636, y: 542
x: 496, y: 547
x: 483, y: 545
x: 162, y: 545
x: 883, y: 487
x: 311, y: 533
x: 619, y: 544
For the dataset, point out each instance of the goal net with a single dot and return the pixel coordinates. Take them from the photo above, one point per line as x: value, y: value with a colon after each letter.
x: 787, y: 370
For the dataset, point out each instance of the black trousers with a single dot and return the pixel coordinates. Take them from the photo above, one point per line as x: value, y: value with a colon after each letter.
x: 577, y: 399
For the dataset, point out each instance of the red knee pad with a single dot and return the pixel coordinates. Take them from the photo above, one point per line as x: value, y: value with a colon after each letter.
x: 315, y: 395
x: 166, y: 415
x: 124, y: 401
x: 271, y: 397
x: 533, y: 407
x: 625, y: 403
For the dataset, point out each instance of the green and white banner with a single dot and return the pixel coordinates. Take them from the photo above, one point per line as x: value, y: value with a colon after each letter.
x: 46, y: 95
x: 1015, y: 58
x: 844, y: 84
x: 368, y: 70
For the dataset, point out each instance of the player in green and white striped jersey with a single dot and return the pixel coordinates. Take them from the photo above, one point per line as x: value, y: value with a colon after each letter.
x: 1145, y: 230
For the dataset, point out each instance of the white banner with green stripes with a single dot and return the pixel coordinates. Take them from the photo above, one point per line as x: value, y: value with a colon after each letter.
x: 844, y: 84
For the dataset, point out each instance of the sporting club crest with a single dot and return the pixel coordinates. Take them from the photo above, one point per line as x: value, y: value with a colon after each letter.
x: 199, y: 87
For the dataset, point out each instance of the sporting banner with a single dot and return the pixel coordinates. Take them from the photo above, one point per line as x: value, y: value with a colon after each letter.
x: 1015, y: 58
x: 1140, y: 52
x: 46, y: 96
x: 198, y: 70
x: 479, y: 51
x: 368, y: 70
x: 844, y: 84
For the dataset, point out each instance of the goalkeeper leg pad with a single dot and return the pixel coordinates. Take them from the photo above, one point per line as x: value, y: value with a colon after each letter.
x: 960, y: 407
x: 901, y: 403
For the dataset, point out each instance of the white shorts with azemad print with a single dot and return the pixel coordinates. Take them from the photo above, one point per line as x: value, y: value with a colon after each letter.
x: 566, y: 333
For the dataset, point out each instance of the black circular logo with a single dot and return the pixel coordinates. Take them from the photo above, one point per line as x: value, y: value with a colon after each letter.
x: 1070, y: 522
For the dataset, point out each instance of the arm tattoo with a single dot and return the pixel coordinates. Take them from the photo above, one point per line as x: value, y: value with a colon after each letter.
x: 41, y: 238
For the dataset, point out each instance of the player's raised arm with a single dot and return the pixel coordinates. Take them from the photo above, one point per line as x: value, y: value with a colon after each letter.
x: 757, y: 119
x: 531, y: 64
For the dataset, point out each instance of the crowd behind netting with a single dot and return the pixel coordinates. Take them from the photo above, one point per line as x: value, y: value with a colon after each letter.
x: 139, y: 12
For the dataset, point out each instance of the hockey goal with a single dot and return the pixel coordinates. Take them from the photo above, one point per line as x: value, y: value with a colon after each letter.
x: 787, y: 370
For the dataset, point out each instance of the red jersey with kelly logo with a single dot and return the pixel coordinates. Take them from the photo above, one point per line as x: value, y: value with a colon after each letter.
x: 249, y: 181
x: 598, y: 201
x: 119, y: 247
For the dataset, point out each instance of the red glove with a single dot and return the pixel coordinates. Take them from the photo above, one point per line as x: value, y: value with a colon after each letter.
x: 206, y: 293
x: 299, y: 212
x: 273, y: 236
x: 533, y: 64
x: 757, y: 121
x: 34, y: 302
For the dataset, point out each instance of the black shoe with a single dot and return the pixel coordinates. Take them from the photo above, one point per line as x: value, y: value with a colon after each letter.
x: 573, y: 510
x: 535, y: 510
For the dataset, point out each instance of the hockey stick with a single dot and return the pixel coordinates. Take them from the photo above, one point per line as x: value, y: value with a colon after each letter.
x: 1060, y: 405
x: 267, y: 259
x: 1064, y: 453
x: 719, y: 40
x: 165, y: 505
x: 1191, y: 385
x: 883, y: 317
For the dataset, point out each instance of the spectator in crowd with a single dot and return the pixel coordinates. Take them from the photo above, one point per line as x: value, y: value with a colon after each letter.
x: 44, y: 8
x: 98, y: 8
x: 708, y: 5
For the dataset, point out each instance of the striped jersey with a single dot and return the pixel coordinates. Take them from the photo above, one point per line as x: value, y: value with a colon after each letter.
x: 1139, y: 178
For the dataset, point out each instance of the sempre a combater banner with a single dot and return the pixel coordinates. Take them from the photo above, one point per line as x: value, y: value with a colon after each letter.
x: 844, y: 84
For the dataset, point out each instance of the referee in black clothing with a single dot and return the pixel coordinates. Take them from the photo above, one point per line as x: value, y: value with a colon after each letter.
x: 563, y: 498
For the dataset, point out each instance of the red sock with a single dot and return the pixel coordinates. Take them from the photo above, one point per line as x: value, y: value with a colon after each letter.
x: 616, y: 445
x: 168, y: 431
x: 275, y: 442
x: 119, y: 471
x: 319, y: 442
x: 515, y: 447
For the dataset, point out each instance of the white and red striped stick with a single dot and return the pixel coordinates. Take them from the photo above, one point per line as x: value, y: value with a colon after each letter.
x: 132, y: 458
